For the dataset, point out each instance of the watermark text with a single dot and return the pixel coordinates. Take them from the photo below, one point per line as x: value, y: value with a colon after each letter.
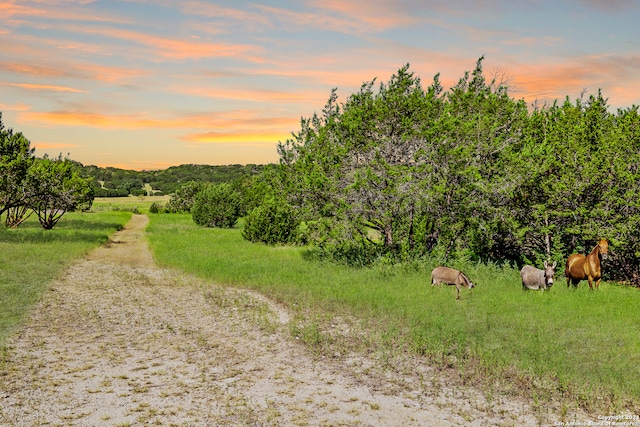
x: 604, y: 421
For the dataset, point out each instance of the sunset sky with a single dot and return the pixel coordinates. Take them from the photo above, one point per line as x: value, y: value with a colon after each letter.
x: 147, y: 84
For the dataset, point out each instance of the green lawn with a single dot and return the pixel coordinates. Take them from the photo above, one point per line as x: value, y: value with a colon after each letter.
x: 574, y: 344
x: 136, y: 204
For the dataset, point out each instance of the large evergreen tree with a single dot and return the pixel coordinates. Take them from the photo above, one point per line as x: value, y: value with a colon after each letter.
x: 418, y: 167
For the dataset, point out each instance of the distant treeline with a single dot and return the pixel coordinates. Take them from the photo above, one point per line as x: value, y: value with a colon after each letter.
x: 115, y: 182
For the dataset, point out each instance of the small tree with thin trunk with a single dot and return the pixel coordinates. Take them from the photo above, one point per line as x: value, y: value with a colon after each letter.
x: 56, y: 187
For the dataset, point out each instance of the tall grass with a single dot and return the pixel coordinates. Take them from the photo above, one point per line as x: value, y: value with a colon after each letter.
x: 30, y: 257
x: 567, y: 343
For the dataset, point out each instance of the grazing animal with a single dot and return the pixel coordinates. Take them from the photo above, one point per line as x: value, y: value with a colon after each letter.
x: 580, y: 267
x: 534, y: 278
x: 451, y: 276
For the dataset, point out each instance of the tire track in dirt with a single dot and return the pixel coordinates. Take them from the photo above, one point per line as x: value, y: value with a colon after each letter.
x: 117, y: 341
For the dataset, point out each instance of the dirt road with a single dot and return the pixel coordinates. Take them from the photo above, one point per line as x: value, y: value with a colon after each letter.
x: 117, y: 341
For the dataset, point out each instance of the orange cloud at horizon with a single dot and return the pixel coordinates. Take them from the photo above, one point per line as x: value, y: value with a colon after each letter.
x: 240, y: 128
x: 74, y: 118
x: 50, y: 145
x: 240, y: 137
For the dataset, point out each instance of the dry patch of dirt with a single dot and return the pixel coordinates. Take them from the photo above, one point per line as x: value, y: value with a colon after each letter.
x: 117, y: 341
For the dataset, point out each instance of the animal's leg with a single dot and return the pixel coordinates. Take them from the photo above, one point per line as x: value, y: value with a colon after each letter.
x: 457, y: 291
x: 598, y: 283
x: 590, y: 282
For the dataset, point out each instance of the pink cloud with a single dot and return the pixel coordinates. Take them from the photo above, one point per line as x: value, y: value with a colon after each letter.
x: 14, y: 107
x: 333, y: 15
x: 10, y: 9
x: 58, y: 10
x: 175, y: 49
x: 78, y: 70
x: 54, y: 88
x: 611, y: 73
x: 376, y: 16
x: 169, y: 48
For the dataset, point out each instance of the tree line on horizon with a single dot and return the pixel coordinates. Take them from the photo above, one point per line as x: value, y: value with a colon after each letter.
x: 399, y: 172
x: 118, y: 182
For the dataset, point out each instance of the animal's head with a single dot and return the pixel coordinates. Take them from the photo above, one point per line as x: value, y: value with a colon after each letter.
x: 549, y: 273
x: 470, y: 284
x: 603, y: 247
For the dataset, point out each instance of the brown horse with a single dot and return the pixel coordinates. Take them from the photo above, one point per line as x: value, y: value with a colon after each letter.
x: 580, y: 267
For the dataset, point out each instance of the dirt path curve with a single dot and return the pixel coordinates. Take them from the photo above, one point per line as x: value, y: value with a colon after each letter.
x: 117, y: 341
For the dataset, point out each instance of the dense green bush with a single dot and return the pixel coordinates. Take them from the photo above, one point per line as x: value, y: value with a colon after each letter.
x: 184, y: 197
x: 156, y: 208
x: 272, y: 222
x: 217, y: 205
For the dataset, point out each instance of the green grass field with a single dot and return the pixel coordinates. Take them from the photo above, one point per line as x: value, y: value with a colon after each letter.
x: 136, y: 204
x: 577, y: 346
x: 30, y: 257
x: 567, y: 343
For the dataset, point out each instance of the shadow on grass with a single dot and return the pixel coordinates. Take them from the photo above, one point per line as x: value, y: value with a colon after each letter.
x: 71, y: 230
